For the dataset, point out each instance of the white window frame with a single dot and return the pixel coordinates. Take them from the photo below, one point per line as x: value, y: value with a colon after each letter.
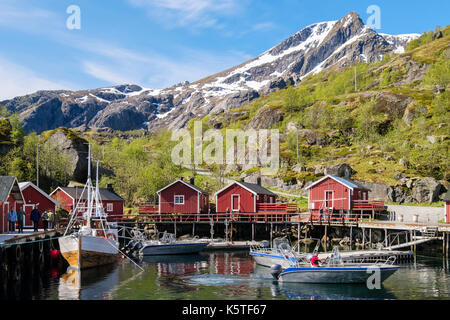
x: 109, y: 207
x: 239, y: 202
x: 332, y: 198
x: 179, y: 197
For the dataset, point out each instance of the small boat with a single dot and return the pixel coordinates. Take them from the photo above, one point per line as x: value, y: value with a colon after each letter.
x: 334, y: 270
x: 89, y: 240
x: 281, y: 253
x: 168, y: 245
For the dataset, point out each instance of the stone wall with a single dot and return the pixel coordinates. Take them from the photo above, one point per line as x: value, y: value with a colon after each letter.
x: 429, y: 215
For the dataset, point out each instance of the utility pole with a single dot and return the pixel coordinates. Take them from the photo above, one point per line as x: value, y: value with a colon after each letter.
x: 297, y: 146
x: 37, y: 165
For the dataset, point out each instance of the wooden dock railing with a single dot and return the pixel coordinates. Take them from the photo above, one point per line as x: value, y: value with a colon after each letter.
x: 367, y: 205
x: 277, y: 207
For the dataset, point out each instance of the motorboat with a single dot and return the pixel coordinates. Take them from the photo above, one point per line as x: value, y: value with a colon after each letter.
x: 334, y: 270
x: 166, y: 245
x: 281, y: 253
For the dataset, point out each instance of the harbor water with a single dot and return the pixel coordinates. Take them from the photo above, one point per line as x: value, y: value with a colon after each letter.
x: 222, y: 276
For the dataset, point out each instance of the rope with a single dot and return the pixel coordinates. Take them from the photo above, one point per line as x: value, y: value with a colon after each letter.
x: 104, y: 231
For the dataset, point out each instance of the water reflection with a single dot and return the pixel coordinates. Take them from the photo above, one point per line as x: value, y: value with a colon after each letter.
x: 89, y: 284
x: 217, y: 275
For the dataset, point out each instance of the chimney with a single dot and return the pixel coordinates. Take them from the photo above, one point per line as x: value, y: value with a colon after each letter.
x: 182, y: 178
x: 192, y: 181
x: 258, y: 181
x: 110, y: 188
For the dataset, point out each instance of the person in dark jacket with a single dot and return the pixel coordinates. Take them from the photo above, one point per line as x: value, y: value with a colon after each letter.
x: 20, y: 220
x: 35, y: 217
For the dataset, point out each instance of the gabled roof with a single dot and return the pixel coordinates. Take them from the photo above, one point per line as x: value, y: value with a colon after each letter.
x: 75, y: 193
x: 23, y: 185
x: 187, y: 184
x: 346, y: 182
x: 9, y: 185
x: 252, y: 187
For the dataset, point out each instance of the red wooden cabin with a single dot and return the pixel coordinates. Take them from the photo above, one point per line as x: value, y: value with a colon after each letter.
x: 69, y: 197
x: 183, y: 197
x: 447, y: 206
x: 34, y: 197
x: 10, y: 198
x: 243, y: 197
x: 334, y: 194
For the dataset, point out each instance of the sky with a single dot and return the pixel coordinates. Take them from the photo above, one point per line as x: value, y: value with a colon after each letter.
x: 88, y: 44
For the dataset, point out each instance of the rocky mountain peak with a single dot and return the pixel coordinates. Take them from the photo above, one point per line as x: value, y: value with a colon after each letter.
x: 320, y: 46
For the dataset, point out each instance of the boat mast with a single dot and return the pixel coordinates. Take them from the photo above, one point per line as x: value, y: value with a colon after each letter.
x: 89, y: 187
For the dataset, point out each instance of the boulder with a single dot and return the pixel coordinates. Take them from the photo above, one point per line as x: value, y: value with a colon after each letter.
x: 343, y: 170
x: 68, y: 142
x: 413, y: 111
x: 427, y: 190
x: 312, y: 137
x: 265, y: 118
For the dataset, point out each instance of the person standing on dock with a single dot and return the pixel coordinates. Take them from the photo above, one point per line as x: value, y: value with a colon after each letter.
x: 45, y: 219
x: 20, y: 219
x: 51, y: 219
x: 35, y: 217
x: 12, y: 218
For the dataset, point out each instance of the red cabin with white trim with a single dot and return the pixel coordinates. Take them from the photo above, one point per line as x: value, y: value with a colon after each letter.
x: 243, y: 197
x: 10, y: 198
x: 333, y: 194
x: 447, y: 206
x: 34, y: 197
x: 183, y: 197
x: 68, y: 198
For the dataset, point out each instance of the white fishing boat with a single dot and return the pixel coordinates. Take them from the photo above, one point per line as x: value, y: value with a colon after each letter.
x: 281, y: 253
x: 166, y: 245
x: 334, y: 270
x: 89, y: 240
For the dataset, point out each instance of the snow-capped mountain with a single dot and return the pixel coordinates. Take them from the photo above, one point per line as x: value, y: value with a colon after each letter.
x: 312, y: 49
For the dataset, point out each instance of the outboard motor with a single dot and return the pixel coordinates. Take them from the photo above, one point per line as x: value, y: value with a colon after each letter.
x: 275, y: 271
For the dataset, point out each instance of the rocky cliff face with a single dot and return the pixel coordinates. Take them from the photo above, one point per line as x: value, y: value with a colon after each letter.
x: 127, y: 107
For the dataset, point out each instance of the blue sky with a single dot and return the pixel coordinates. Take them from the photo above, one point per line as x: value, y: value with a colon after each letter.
x: 158, y: 43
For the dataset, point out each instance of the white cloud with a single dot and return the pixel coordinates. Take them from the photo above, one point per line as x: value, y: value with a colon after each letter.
x: 189, y: 13
x: 17, y: 80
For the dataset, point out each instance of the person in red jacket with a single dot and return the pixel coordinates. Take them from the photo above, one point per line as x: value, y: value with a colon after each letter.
x: 315, y: 261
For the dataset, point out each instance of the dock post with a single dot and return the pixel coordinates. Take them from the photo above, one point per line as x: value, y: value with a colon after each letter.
x: 326, y: 232
x: 193, y: 229
x: 370, y: 237
x: 351, y: 236
x: 364, y: 238
x: 385, y: 237
x: 253, y: 231
x: 226, y: 230
x: 271, y: 230
x: 298, y: 237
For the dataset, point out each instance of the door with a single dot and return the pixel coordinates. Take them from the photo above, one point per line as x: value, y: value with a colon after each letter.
x: 28, y: 208
x: 235, y: 202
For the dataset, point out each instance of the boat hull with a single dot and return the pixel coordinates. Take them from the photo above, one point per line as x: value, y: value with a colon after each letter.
x: 83, y: 252
x: 172, y: 249
x: 268, y: 260
x: 335, y: 274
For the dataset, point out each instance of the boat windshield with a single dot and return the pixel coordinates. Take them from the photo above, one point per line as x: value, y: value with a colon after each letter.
x: 167, y: 237
x: 281, y: 244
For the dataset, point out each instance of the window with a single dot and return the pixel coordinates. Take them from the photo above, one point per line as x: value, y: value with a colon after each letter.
x: 109, y: 207
x: 179, y: 200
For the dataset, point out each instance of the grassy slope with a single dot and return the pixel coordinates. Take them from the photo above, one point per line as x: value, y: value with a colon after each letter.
x: 327, y: 103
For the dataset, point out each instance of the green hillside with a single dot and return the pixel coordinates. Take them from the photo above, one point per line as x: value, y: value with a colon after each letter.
x: 396, y: 121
